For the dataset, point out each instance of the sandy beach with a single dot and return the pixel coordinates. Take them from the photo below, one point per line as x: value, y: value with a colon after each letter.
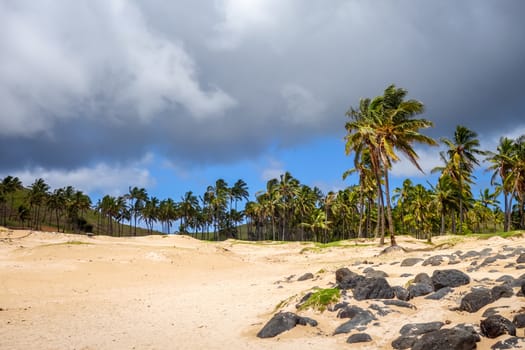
x: 63, y: 291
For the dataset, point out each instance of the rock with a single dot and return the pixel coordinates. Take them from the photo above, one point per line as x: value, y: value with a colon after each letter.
x: 412, y: 329
x: 401, y: 293
x: 392, y: 249
x: 439, y: 294
x: 303, y: 300
x: 359, y: 338
x: 493, y: 311
x: 347, y: 279
x: 470, y: 254
x: 423, y: 278
x: 475, y: 300
x: 399, y: 303
x: 519, y: 320
x: 510, y: 343
x: 410, y: 261
x: 468, y: 328
x: 521, y: 259
x: 373, y: 288
x: 359, y: 318
x: 339, y: 306
x: 403, y: 342
x: 449, y: 278
x: 503, y: 291
x: 507, y: 279
x: 496, y: 325
x: 371, y: 273
x: 283, y: 321
x: 381, y: 311
x: 433, y: 261
x: 446, y: 339
x: 306, y: 276
x: 419, y: 289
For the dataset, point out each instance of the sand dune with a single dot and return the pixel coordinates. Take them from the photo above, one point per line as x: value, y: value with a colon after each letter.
x: 62, y: 291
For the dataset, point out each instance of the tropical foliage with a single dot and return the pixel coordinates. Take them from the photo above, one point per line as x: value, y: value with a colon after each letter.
x: 379, y: 132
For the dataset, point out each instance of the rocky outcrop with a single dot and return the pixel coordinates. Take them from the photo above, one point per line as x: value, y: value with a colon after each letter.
x: 449, y: 278
x: 496, y: 325
x: 284, y: 321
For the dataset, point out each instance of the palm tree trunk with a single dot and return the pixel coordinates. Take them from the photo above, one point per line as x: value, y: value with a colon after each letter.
x: 389, y: 210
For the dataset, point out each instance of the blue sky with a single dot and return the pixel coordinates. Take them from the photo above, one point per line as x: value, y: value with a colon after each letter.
x: 171, y: 96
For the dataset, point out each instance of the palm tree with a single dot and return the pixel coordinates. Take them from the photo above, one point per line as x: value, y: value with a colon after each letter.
x: 57, y: 202
x: 462, y: 151
x: 516, y: 178
x: 138, y: 196
x: 37, y: 195
x: 168, y: 212
x: 501, y: 164
x: 188, y: 207
x: 150, y: 213
x: 384, y: 125
x: 10, y: 185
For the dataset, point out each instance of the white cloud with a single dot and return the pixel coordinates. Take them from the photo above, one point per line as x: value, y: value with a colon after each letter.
x: 99, y: 56
x: 302, y: 106
x: 101, y: 178
x: 273, y: 170
x: 428, y: 159
x: 241, y: 18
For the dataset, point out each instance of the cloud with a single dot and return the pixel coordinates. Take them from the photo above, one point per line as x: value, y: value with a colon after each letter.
x: 102, y: 62
x: 101, y: 178
x: 428, y: 160
x: 301, y: 105
x: 273, y: 170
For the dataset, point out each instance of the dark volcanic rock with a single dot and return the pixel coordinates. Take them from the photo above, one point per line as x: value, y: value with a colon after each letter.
x: 433, y: 261
x: 496, y: 325
x: 521, y: 259
x: 399, y: 303
x: 493, y: 311
x: 359, y: 338
x: 510, y: 343
x: 373, y: 288
x: 306, y: 276
x: 446, y: 339
x: 449, y: 278
x: 423, y: 278
x: 347, y: 279
x: 371, y: 273
x: 283, y: 321
x: 475, y: 300
x: 412, y: 329
x: 381, y: 311
x: 401, y: 293
x: 470, y: 254
x: 419, y: 289
x: 403, y: 342
x: 410, y: 261
x: 439, y: 294
x: 503, y: 291
x: 359, y: 318
x: 519, y: 320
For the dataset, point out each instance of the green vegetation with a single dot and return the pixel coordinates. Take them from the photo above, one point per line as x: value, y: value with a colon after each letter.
x: 321, y: 298
x: 378, y: 132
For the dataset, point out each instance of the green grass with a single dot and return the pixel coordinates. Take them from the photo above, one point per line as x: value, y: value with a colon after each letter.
x: 320, y: 299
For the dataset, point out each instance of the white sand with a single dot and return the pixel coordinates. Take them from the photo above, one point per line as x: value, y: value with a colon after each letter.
x: 180, y: 293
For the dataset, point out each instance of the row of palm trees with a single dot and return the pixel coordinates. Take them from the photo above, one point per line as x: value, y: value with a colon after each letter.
x: 379, y: 131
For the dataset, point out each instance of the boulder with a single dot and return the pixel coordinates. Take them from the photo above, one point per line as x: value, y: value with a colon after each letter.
x: 510, y: 343
x: 373, y: 288
x: 475, y: 300
x: 359, y: 318
x: 519, y: 320
x: 410, y: 261
x: 399, y: 303
x: 449, y: 278
x: 503, y: 291
x: 419, y: 289
x: 496, y: 325
x: 401, y: 293
x: 423, y: 278
x: 371, y: 273
x: 446, y: 339
x: 433, y: 261
x: 521, y: 259
x: 283, y: 321
x: 359, y: 338
x: 306, y: 276
x: 347, y: 279
x: 412, y: 329
x: 439, y: 294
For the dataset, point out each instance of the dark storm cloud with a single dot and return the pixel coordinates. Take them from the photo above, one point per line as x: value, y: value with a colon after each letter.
x: 105, y: 81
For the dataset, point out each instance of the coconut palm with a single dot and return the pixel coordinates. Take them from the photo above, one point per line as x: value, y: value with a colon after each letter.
x: 501, y: 165
x: 137, y: 197
x: 461, y: 160
x: 10, y: 185
x: 188, y: 208
x: 37, y: 195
